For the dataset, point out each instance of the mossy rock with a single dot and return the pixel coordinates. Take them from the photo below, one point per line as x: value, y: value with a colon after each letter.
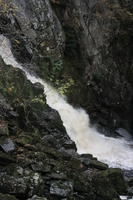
x: 81, y: 184
x: 24, y: 185
x: 54, y: 153
x: 13, y: 169
x: 98, y: 165
x: 7, y: 197
x: 15, y: 83
x: 117, y: 179
x: 74, y: 165
x: 21, y: 93
x: 102, y: 187
x: 109, y: 184
x: 4, y: 158
x: 29, y: 137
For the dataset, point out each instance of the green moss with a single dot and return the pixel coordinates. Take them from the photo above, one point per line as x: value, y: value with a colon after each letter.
x: 103, y: 188
x: 81, y: 184
x: 12, y: 169
x: 117, y: 179
x: 7, y: 197
x: 98, y: 165
x: 30, y: 137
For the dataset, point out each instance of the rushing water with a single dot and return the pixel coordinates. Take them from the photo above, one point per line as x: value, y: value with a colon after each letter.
x: 115, y: 152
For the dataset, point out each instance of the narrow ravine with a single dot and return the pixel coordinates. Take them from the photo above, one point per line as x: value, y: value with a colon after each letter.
x: 115, y: 152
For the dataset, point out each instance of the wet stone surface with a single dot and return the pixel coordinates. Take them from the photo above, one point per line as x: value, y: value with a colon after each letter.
x: 7, y: 145
x: 61, y: 188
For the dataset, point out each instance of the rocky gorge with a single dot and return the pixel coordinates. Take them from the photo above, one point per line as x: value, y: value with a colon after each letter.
x: 60, y: 41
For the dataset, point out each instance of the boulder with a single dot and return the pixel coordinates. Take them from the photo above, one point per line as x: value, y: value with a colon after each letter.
x: 98, y: 165
x: 5, y: 158
x: 7, y: 145
x: 109, y: 184
x: 7, y: 197
x: 35, y: 197
x: 25, y: 185
x: 61, y: 188
x: 117, y: 180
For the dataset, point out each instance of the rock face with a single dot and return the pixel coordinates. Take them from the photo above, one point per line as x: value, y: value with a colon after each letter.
x: 103, y: 35
x: 36, y: 31
x: 92, y: 36
x: 106, y: 74
x: 108, y: 59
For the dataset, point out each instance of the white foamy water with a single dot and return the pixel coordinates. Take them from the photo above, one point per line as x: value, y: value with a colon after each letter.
x: 115, y: 152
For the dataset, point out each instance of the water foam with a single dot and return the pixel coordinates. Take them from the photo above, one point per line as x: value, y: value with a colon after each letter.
x: 115, y: 152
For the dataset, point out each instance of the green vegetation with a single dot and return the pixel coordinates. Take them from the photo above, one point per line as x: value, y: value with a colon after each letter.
x: 58, y: 65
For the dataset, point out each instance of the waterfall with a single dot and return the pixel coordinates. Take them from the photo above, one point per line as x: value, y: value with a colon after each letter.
x: 115, y: 152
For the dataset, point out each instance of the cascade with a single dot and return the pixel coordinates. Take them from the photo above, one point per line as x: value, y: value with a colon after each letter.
x: 114, y: 152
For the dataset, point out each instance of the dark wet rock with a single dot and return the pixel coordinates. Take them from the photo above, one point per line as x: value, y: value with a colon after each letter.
x: 85, y: 161
x: 130, y: 190
x: 37, y: 161
x: 12, y: 185
x: 112, y: 181
x: 107, y: 131
x: 117, y: 180
x: 36, y: 109
x: 69, y: 144
x: 52, y: 152
x: 74, y: 165
x: 53, y: 120
x: 103, y: 188
x: 7, y: 197
x: 35, y: 197
x: 4, y: 128
x: 87, y: 156
x: 56, y: 164
x: 4, y: 105
x: 130, y: 182
x: 58, y: 140
x: 81, y: 184
x: 56, y: 176
x: 61, y: 188
x: 22, y: 186
x: 5, y: 159
x: 41, y: 167
x: 98, y: 165
x: 49, y: 140
x: 68, y: 153
x: 12, y: 129
x: 38, y: 89
x: 23, y: 160
x: 14, y: 169
x: 7, y: 145
x: 13, y: 113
